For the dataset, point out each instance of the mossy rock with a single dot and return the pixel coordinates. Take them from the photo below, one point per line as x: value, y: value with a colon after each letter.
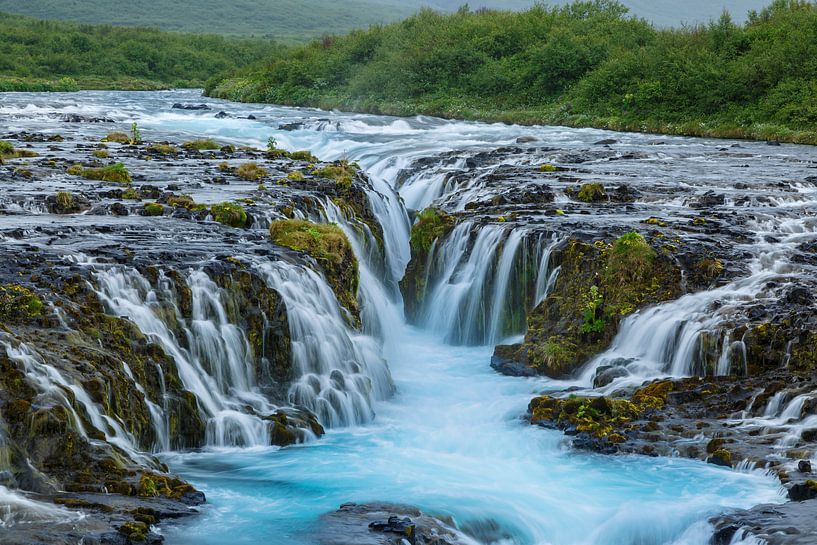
x: 229, y: 213
x: 118, y: 137
x: 330, y: 247
x: 599, y: 285
x: 251, y: 172
x: 432, y: 224
x: 342, y: 172
x: 202, y: 144
x: 18, y: 302
x: 116, y: 173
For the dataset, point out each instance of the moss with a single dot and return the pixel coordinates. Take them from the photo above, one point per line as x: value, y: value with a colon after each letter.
x: 721, y: 457
x: 184, y: 201
x: 431, y: 224
x: 163, y: 149
x: 65, y: 200
x: 101, y: 154
x: 710, y: 268
x: 654, y: 221
x: 19, y: 302
x: 591, y: 193
x: 202, y: 144
x: 342, y: 172
x: 131, y: 194
x: 153, y: 209
x: 6, y: 148
x: 330, y: 247
x: 251, y: 172
x: 224, y: 166
x: 116, y: 173
x: 598, y: 286
x: 303, y: 156
x: 118, y: 137
x: 296, y: 176
x: 699, y: 221
x: 547, y: 167
x: 228, y: 213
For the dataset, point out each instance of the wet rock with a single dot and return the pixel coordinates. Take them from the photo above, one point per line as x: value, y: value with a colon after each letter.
x: 180, y: 106
x: 791, y: 523
x: 222, y: 115
x: 503, y: 362
x: 606, y: 142
x: 804, y: 466
x: 77, y: 118
x: 385, y: 524
x: 526, y: 139
x: 803, y: 491
x: 290, y: 126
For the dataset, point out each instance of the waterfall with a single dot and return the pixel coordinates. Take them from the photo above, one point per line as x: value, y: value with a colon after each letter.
x: 340, y: 371
x: 482, y: 279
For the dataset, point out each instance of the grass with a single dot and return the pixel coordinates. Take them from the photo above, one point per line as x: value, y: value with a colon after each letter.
x: 321, y: 241
x: 201, y: 145
x: 251, y: 172
x: 228, y: 213
x: 116, y: 173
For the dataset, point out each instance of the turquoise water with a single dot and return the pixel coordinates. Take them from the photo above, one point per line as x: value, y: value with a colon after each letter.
x: 452, y: 442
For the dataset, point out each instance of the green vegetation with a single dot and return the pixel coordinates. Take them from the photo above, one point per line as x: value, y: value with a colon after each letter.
x: 204, y: 144
x: 153, y: 209
x: 65, y: 200
x: 431, y: 225
x: 110, y: 173
x: 229, y: 213
x: 330, y: 247
x: 343, y: 172
x: 118, y: 137
x: 282, y: 20
x: 591, y: 193
x: 586, y: 64
x: 54, y: 56
x: 251, y: 172
x: 8, y: 151
x: 17, y: 302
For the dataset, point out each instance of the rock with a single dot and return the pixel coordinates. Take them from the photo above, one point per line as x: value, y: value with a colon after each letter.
x: 606, y: 374
x: 803, y: 491
x: 526, y: 139
x: 503, y: 363
x: 291, y: 126
x: 385, y: 524
x: 251, y: 117
x: 606, y: 142
x: 179, y: 106
x: 804, y: 466
x: 222, y: 115
x: 720, y: 457
x: 76, y: 118
x: 773, y: 143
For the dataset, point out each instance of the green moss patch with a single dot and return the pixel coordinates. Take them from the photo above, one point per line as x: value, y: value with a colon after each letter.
x: 330, y: 247
x: 116, y: 173
x: 229, y: 213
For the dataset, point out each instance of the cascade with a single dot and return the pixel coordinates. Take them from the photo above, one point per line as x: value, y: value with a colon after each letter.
x: 481, y: 280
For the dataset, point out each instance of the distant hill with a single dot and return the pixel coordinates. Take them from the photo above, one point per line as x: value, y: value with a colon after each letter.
x: 300, y: 20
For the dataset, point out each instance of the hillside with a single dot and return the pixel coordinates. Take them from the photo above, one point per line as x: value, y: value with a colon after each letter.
x: 283, y: 20
x: 47, y: 55
x: 588, y: 64
x: 300, y: 20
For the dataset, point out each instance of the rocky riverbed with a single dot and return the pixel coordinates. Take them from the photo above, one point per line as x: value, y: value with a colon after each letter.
x: 171, y: 290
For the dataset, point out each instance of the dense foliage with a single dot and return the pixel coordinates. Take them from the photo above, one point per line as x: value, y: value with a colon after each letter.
x: 586, y: 64
x: 281, y: 20
x: 43, y: 55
